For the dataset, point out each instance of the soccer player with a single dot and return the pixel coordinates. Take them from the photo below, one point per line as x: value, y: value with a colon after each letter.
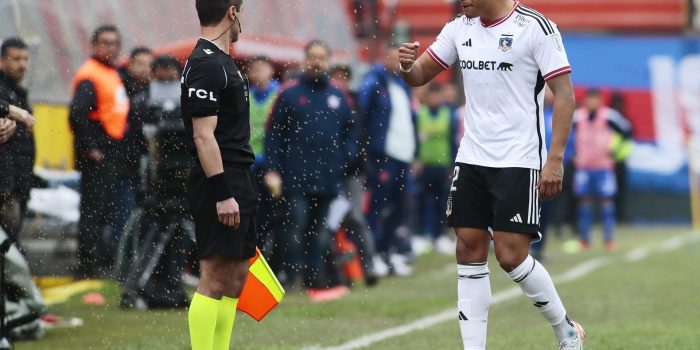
x: 507, y: 52
x: 222, y: 190
x: 596, y: 126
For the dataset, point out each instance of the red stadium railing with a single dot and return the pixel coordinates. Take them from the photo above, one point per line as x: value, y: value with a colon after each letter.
x: 618, y: 15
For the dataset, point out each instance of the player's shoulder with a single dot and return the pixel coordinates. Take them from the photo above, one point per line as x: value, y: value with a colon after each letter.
x: 197, y: 61
x: 535, y: 20
x: 289, y: 87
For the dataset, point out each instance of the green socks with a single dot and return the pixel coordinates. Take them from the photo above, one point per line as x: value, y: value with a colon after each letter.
x: 224, y: 323
x: 211, y: 322
x: 202, y: 318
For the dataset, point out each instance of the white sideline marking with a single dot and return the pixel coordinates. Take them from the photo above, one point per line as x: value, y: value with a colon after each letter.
x: 572, y: 274
x: 637, y: 254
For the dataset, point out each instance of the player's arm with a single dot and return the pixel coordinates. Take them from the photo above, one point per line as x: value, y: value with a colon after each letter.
x: 204, y: 82
x: 549, y: 54
x: 417, y: 71
x: 210, y: 159
x: 564, y: 103
x: 20, y: 115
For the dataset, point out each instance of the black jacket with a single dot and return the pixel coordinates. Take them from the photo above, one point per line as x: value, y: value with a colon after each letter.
x: 17, y: 154
x: 133, y: 86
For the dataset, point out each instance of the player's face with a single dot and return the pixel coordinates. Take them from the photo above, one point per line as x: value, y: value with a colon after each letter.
x: 472, y: 8
x: 15, y: 63
x: 166, y: 75
x: 341, y: 78
x: 260, y: 73
x: 140, y: 67
x: 317, y: 61
x: 107, y: 47
x: 593, y: 101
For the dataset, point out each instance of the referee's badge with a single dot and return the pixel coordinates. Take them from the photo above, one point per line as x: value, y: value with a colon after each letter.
x: 505, y: 43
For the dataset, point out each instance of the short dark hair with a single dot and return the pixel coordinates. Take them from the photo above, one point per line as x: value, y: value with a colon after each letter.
x: 343, y: 68
x: 211, y: 12
x: 593, y: 92
x: 260, y: 58
x: 435, y: 87
x: 105, y: 28
x: 317, y: 42
x: 167, y: 62
x: 139, y: 50
x: 12, y: 43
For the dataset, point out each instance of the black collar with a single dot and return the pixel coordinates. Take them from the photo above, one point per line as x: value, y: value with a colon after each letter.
x: 6, y: 80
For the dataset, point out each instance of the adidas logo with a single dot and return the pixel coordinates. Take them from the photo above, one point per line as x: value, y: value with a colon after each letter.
x: 462, y: 317
x: 517, y: 219
x: 541, y: 303
x: 468, y: 43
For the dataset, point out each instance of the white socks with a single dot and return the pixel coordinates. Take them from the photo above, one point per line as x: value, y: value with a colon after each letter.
x: 535, y: 282
x: 473, y: 302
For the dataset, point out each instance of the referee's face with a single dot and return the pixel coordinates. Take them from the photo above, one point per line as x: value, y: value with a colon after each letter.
x: 237, y: 26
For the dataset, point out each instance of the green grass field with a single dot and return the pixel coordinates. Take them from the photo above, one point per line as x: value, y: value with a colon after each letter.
x: 651, y: 303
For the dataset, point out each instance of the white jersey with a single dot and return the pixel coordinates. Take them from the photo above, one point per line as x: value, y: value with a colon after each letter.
x: 505, y: 65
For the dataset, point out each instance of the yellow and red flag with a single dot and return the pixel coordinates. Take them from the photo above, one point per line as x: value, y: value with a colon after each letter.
x: 262, y: 291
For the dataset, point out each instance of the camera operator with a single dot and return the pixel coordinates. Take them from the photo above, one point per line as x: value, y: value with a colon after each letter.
x: 159, y: 132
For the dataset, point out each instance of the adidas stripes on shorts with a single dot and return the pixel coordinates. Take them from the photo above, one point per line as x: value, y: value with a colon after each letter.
x: 503, y: 199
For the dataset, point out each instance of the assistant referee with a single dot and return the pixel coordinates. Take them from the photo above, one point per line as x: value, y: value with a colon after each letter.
x: 222, y: 190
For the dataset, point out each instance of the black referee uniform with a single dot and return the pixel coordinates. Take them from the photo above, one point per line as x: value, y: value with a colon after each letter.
x: 212, y: 85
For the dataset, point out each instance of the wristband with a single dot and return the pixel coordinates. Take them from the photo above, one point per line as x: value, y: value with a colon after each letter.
x: 221, y: 187
x: 405, y: 70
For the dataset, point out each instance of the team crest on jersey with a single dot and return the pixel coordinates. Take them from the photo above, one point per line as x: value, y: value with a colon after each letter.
x: 505, y: 43
x: 333, y: 102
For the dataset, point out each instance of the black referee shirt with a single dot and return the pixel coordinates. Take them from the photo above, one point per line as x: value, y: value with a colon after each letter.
x: 212, y: 85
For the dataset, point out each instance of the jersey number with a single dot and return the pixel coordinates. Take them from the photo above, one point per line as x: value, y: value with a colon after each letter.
x: 454, y: 180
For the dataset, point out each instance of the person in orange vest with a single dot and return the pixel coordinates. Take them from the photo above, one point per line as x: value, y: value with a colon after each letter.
x: 98, y: 118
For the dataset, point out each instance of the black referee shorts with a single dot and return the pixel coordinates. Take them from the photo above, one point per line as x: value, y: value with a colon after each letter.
x: 213, y: 237
x: 503, y: 199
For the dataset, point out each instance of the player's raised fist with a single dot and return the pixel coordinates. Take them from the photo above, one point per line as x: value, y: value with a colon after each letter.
x: 408, y: 54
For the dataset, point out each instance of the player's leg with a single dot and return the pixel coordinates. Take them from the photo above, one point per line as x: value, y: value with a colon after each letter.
x: 240, y: 247
x: 516, y: 223
x: 583, y: 192
x: 606, y: 188
x: 378, y: 183
x: 512, y: 252
x: 213, y: 308
x: 473, y: 286
x: 469, y: 212
x: 318, y: 274
x: 224, y: 254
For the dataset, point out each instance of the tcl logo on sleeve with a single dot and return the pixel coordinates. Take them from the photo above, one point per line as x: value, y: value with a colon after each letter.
x: 201, y: 93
